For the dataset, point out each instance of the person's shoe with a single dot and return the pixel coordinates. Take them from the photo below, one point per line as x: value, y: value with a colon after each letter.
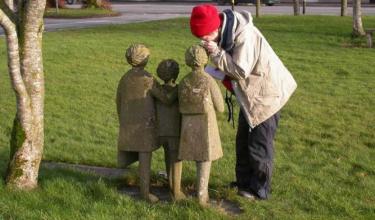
x: 247, y: 195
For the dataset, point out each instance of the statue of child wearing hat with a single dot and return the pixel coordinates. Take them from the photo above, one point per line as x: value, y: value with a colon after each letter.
x: 199, y: 96
x: 136, y: 111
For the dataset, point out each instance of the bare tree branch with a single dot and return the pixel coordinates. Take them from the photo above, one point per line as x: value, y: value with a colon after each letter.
x: 23, y: 98
x: 8, y: 11
x: 296, y: 7
x: 357, y: 19
x: 10, y: 4
x: 31, y: 64
x: 344, y: 7
x: 24, y: 42
x: 257, y: 8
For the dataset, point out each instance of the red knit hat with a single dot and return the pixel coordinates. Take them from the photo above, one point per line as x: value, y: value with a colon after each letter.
x: 204, y: 20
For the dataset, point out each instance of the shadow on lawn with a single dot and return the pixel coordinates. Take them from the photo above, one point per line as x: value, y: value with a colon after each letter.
x: 69, y: 187
x: 98, y: 180
x: 4, y: 158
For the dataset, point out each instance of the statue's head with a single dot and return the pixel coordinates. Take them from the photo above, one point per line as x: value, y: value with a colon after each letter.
x: 168, y: 70
x: 137, y: 55
x: 196, y: 56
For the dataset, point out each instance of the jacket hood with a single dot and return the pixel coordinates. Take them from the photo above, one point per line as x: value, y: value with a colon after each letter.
x: 244, y: 20
x: 233, y: 23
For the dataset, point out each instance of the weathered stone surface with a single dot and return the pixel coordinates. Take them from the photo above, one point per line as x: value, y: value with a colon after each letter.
x: 168, y: 115
x: 196, y: 56
x: 136, y: 112
x: 169, y: 122
x: 137, y: 55
x: 135, y: 104
x: 168, y: 70
x: 194, y: 94
x: 199, y: 97
x: 136, y: 94
x: 203, y: 176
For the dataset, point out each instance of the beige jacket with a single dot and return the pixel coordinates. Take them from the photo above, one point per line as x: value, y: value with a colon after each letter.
x: 261, y: 82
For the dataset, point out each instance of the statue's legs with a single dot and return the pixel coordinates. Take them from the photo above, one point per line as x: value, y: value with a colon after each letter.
x: 167, y: 161
x: 144, y: 176
x: 174, y: 167
x: 176, y: 176
x: 203, y: 175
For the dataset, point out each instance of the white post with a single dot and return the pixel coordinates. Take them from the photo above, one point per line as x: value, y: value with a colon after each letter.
x: 57, y: 6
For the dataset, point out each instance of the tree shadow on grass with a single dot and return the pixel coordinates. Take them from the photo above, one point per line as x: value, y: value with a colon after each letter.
x: 67, y: 192
x: 355, y: 42
x: 4, y: 158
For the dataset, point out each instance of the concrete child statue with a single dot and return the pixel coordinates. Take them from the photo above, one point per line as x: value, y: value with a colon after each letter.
x: 199, y: 96
x: 136, y: 111
x: 169, y: 122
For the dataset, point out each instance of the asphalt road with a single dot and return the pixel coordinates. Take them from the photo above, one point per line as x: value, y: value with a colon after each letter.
x: 139, y: 12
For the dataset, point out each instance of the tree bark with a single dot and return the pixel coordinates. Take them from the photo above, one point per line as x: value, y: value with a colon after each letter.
x: 10, y: 4
x: 303, y: 6
x: 357, y: 19
x: 24, y: 42
x: 296, y: 7
x: 258, y: 8
x: 344, y: 7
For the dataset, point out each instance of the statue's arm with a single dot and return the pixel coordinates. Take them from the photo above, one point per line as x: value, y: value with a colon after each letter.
x: 160, y: 94
x: 217, y: 97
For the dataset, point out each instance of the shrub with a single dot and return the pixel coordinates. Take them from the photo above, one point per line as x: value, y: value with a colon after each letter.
x: 105, y: 4
x: 52, y: 3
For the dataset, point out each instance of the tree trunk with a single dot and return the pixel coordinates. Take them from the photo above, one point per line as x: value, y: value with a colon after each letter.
x: 10, y: 4
x: 296, y: 7
x: 258, y: 8
x: 344, y: 7
x: 303, y: 6
x: 357, y: 19
x: 24, y: 42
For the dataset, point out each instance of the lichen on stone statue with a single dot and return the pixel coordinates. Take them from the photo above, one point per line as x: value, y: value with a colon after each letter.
x: 199, y: 97
x: 169, y: 121
x: 196, y: 57
x: 137, y: 55
x: 168, y: 71
x: 136, y: 113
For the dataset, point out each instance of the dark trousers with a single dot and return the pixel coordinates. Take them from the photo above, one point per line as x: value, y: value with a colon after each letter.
x: 254, y: 155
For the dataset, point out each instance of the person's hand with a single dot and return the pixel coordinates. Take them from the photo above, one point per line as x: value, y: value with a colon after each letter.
x: 210, y: 46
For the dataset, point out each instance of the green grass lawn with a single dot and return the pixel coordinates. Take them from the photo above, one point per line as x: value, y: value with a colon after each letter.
x: 79, y: 13
x: 325, y: 146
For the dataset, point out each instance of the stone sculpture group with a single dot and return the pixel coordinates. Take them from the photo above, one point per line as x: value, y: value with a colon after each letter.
x: 181, y: 118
